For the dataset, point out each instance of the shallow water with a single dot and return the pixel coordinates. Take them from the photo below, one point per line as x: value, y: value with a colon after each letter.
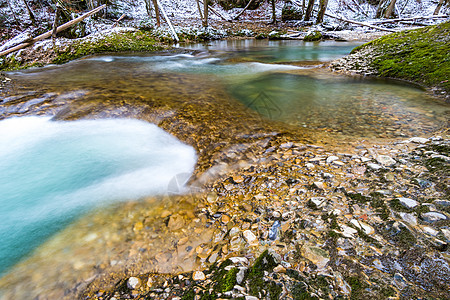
x: 210, y: 96
x: 52, y: 172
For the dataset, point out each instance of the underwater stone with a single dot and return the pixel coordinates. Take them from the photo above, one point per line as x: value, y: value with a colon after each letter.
x: 250, y: 238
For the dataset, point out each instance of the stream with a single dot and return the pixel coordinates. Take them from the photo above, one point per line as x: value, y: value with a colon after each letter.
x: 70, y: 189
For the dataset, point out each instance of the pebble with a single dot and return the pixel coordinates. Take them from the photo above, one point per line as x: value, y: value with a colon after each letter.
x: 133, y: 283
x: 374, y: 166
x: 332, y: 158
x: 198, y: 275
x: 318, y: 201
x: 419, y: 140
x: 432, y: 217
x: 319, y: 184
x: 310, y: 166
x: 176, y: 222
x: 250, y: 238
x: 443, y: 203
x: 279, y: 269
x: 385, y: 160
x: 407, y: 202
x: 409, y: 218
x: 273, y: 231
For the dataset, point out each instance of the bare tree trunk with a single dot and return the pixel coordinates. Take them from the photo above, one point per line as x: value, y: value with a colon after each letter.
x: 199, y: 10
x: 55, y: 23
x: 157, y: 15
x: 205, y: 13
x: 390, y: 10
x: 30, y: 13
x: 309, y: 10
x: 381, y: 8
x: 322, y: 7
x: 274, y: 16
x: 439, y: 6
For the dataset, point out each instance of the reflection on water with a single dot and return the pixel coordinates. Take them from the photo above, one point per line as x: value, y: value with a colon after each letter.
x: 280, y: 51
x: 350, y: 106
x: 203, y: 97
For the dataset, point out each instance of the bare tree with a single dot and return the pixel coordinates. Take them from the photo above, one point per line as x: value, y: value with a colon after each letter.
x: 309, y: 10
x: 205, y: 13
x: 322, y: 7
x: 30, y: 12
x: 274, y: 16
x: 390, y: 10
x: 439, y: 6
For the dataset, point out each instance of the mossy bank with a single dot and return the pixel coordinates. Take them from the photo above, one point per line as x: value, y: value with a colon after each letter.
x: 64, y: 50
x: 421, y: 56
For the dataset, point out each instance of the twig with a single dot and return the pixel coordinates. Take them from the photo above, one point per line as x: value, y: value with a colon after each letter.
x: 118, y: 20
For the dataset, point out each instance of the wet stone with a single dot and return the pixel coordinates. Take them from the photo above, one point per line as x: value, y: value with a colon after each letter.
x: 198, y: 275
x: 432, y: 217
x: 385, y: 160
x: 133, y: 283
x: 407, y: 202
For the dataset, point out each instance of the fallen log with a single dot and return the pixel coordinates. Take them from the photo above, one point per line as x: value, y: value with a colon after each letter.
x: 408, y: 19
x: 49, y: 33
x: 360, y: 23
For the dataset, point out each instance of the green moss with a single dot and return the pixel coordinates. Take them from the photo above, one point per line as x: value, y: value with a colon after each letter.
x: 380, y: 206
x: 358, y: 286
x: 357, y: 197
x: 227, y: 281
x: 255, y: 277
x: 313, y: 36
x: 128, y: 41
x: 421, y: 55
x: 300, y: 292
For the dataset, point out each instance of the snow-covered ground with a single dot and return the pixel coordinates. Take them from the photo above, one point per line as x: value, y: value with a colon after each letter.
x: 14, y: 18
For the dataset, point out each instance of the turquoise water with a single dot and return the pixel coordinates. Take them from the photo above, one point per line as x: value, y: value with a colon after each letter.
x: 52, y: 172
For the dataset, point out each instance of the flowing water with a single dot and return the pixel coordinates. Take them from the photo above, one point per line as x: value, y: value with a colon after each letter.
x: 53, y: 171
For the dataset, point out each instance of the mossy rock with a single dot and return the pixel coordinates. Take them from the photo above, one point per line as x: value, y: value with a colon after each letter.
x: 313, y: 36
x: 421, y: 55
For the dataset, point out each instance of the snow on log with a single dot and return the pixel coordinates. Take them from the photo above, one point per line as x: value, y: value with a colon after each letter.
x: 49, y: 33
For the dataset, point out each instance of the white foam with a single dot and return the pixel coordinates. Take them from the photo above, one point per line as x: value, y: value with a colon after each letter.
x: 51, y: 171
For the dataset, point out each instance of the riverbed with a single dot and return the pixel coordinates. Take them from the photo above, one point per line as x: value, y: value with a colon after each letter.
x: 230, y: 100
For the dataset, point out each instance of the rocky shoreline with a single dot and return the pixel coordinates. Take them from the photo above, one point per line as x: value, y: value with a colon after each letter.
x: 308, y: 223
